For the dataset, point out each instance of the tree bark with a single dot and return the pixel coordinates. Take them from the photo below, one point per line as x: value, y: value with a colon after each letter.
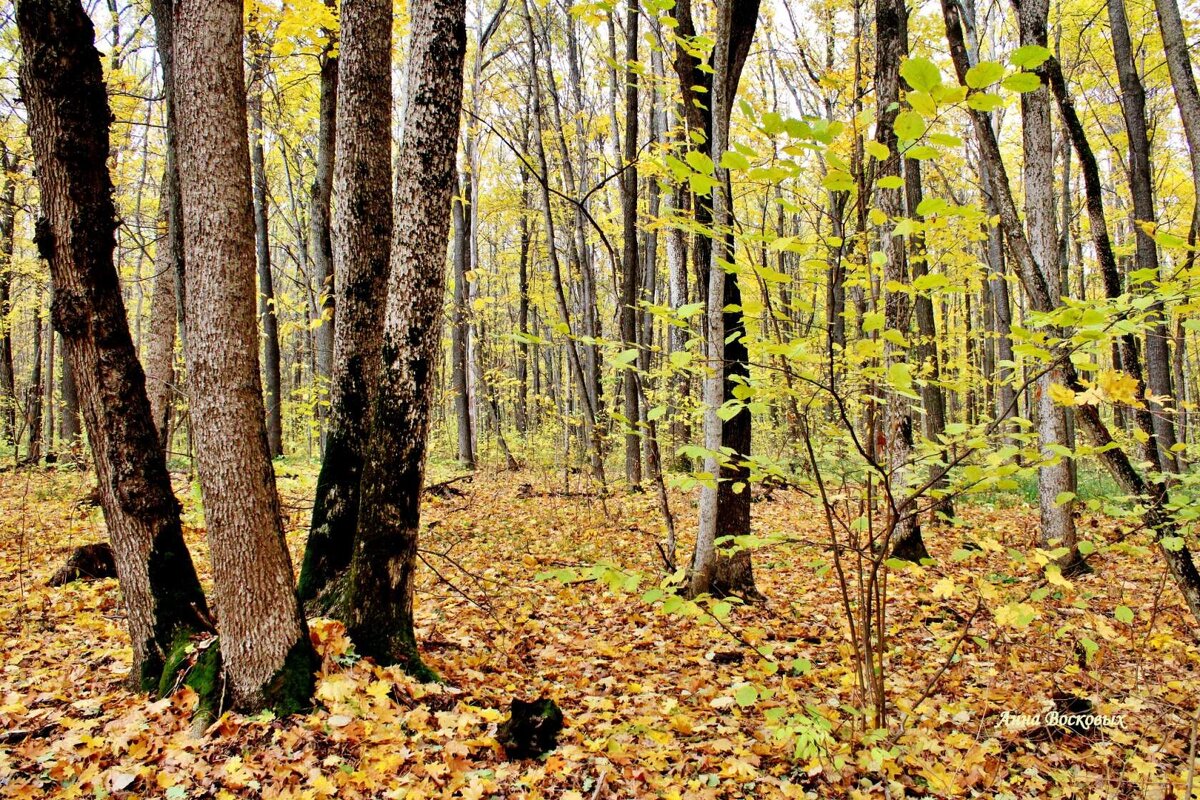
x: 1157, y: 348
x: 362, y: 228
x: 267, y: 312
x: 8, y: 219
x: 160, y: 347
x: 1055, y: 478
x: 68, y: 110
x: 630, y: 277
x: 460, y: 330
x: 385, y: 553
x: 321, y: 195
x: 268, y: 658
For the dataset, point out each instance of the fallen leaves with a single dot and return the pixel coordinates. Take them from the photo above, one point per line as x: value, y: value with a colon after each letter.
x: 657, y: 704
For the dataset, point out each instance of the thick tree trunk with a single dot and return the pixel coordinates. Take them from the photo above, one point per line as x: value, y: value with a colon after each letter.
x: 1183, y: 80
x: 385, y: 553
x: 64, y: 93
x: 362, y: 228
x: 267, y: 655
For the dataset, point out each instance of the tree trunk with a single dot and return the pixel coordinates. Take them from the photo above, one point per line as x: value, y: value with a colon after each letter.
x: 1155, y: 515
x: 68, y: 421
x: 164, y: 40
x: 362, y: 228
x: 385, y: 553
x: 267, y: 311
x: 1054, y: 476
x: 896, y: 437
x: 724, y: 505
x: 8, y: 219
x: 460, y: 330
x: 630, y: 277
x: 35, y: 392
x: 268, y: 658
x: 64, y: 93
x: 1157, y: 347
x: 160, y: 348
x: 322, y: 192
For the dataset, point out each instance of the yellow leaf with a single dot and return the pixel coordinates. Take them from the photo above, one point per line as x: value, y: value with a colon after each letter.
x: 1061, y: 395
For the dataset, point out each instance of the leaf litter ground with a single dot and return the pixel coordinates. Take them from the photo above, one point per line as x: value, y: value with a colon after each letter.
x: 655, y: 703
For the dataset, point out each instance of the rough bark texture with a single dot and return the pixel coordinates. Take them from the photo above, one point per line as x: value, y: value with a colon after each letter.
x: 362, y: 229
x: 68, y: 110
x: 265, y: 648
x: 385, y: 552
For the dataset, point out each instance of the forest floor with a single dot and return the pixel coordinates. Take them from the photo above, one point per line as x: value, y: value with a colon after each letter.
x: 651, y: 699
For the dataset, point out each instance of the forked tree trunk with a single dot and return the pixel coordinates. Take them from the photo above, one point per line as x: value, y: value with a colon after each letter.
x: 268, y: 657
x: 362, y: 227
x: 381, y: 574
x: 64, y: 93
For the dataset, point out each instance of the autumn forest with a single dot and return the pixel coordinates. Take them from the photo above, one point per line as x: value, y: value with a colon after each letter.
x: 594, y: 399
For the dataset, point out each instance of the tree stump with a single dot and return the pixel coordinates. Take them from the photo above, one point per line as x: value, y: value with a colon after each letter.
x: 87, y: 562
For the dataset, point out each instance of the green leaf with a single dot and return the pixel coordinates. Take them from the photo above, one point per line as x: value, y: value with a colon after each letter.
x: 921, y: 74
x: 699, y: 162
x: 1022, y: 82
x: 1090, y: 649
x: 921, y: 152
x: 1063, y: 498
x: 721, y: 610
x: 877, y: 150
x: 909, y: 125
x: 1031, y: 56
x: 653, y: 595
x: 1123, y: 614
x: 1085, y: 548
x: 891, y: 182
x: 746, y: 695
x: 985, y: 101
x: 731, y: 159
x: 984, y: 74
